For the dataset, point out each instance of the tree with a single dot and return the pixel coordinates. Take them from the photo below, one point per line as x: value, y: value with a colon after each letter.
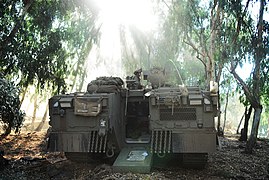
x: 228, y: 37
x: 41, y: 124
x: 80, y: 36
x: 39, y: 39
x: 257, y: 50
x: 30, y: 44
x: 38, y: 43
x: 244, y: 132
x: 10, y: 114
x: 259, y: 53
x: 201, y: 30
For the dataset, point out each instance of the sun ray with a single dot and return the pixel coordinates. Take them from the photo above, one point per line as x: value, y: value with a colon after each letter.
x: 114, y: 14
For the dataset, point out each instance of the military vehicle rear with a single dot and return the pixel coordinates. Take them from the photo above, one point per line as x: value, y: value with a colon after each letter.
x: 135, y: 123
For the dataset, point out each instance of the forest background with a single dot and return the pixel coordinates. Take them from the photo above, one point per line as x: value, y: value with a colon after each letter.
x: 52, y: 47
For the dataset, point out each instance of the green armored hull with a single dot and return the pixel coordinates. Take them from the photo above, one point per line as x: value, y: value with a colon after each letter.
x: 134, y: 124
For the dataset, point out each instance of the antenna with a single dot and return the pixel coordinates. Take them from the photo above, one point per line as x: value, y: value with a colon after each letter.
x: 171, y: 61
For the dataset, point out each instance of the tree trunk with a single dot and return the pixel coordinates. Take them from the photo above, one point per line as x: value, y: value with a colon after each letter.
x: 84, y: 74
x: 74, y: 82
x: 256, y: 81
x: 238, y: 127
x: 244, y: 132
x: 7, y: 131
x: 215, y: 18
x: 34, y: 112
x: 23, y: 95
x: 255, y: 125
x: 220, y: 68
x: 41, y: 124
x: 219, y: 116
x: 254, y: 95
x: 225, y: 109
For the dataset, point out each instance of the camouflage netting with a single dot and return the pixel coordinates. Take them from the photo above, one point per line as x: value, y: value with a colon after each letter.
x: 105, y: 85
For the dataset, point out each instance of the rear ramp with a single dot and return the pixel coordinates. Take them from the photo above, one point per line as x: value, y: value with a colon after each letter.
x: 134, y: 159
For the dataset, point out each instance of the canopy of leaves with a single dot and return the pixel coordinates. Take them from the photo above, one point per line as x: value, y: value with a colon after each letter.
x: 31, y: 47
x: 265, y: 66
x: 39, y: 42
x: 10, y: 114
x: 40, y: 38
x: 165, y: 45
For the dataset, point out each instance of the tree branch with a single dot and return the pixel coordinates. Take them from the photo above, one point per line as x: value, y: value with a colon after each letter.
x: 253, y: 101
x: 219, y: 72
x: 197, y: 50
x: 240, y: 20
x: 194, y: 47
x: 201, y: 60
x: 246, y: 8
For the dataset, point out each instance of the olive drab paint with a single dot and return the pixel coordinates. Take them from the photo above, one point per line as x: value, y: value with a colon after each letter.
x: 158, y: 117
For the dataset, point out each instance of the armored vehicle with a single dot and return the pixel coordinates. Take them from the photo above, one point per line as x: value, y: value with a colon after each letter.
x: 136, y: 123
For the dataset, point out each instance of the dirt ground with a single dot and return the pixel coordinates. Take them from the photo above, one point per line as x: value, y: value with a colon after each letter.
x: 27, y: 159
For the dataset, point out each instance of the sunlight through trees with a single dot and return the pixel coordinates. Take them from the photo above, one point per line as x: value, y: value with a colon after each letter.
x: 59, y: 46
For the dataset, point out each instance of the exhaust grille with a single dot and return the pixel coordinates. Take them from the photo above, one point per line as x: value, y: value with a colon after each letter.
x: 161, y: 141
x: 178, y: 114
x: 97, y: 144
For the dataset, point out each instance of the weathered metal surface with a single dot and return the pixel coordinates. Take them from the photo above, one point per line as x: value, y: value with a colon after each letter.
x: 177, y: 114
x: 194, y: 142
x: 109, y: 119
x: 161, y: 141
x: 78, y: 142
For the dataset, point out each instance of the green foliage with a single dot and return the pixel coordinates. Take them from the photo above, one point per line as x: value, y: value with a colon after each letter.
x: 237, y: 28
x: 193, y: 28
x: 158, y: 48
x: 35, y: 50
x: 265, y: 66
x: 79, y: 38
x: 39, y: 43
x: 241, y: 32
x: 49, y: 42
x: 227, y: 84
x: 10, y: 114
